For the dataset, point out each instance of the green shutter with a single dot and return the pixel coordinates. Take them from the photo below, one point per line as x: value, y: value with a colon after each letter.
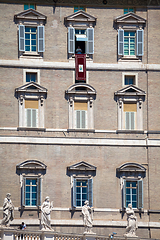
x: 41, y: 41
x: 71, y: 40
x: 124, y: 194
x: 21, y: 38
x: 74, y: 192
x: 120, y: 42
x: 90, y: 192
x: 140, y: 193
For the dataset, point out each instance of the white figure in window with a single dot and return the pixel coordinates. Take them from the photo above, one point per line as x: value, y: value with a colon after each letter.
x: 131, y: 222
x: 87, y: 213
x: 46, y: 209
x: 8, y: 211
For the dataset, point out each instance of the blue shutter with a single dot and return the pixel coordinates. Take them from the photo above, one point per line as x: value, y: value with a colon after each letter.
x: 90, y: 42
x: 140, y: 42
x: 21, y: 38
x: 120, y: 42
x: 38, y: 191
x: 23, y: 191
x: 90, y: 192
x: 124, y: 194
x: 41, y: 42
x: 71, y: 40
x: 74, y: 192
x: 140, y: 193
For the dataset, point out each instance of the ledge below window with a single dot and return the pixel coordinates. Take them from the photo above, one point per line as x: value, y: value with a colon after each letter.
x: 31, y: 129
x: 29, y: 208
x: 130, y: 58
x: 81, y: 130
x: 30, y: 55
x: 130, y: 131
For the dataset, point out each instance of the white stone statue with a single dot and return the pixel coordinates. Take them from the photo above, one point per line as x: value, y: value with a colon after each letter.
x: 131, y: 222
x: 8, y: 211
x: 46, y: 209
x: 87, y: 213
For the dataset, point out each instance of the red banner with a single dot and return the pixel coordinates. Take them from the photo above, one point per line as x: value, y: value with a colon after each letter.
x: 80, y: 66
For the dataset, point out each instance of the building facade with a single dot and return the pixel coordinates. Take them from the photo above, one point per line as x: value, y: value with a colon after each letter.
x: 92, y: 136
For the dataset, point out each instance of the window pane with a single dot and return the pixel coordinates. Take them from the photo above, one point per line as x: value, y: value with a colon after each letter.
x: 84, y: 190
x: 32, y: 6
x: 78, y: 183
x: 27, y: 188
x: 78, y: 196
x: 134, y: 204
x: 27, y: 202
x: 26, y: 6
x: 84, y: 183
x: 84, y: 197
x: 34, y: 202
x: 127, y: 184
x: 78, y: 190
x: 78, y: 203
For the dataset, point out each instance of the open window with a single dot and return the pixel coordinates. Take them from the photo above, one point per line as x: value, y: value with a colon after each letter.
x: 130, y: 108
x: 131, y: 176
x: 31, y: 173
x: 31, y: 32
x: 130, y: 36
x: 80, y: 33
x: 80, y: 97
x: 31, y: 97
x: 81, y: 175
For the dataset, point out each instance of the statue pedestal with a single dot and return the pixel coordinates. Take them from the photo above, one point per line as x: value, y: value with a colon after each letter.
x: 89, y: 236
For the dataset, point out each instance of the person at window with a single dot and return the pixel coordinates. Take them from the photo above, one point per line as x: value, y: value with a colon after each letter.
x: 78, y: 50
x: 8, y: 211
x: 22, y: 226
x: 46, y: 209
x: 87, y: 213
x: 131, y: 222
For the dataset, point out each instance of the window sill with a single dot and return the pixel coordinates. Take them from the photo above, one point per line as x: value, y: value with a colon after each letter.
x: 136, y: 210
x: 129, y: 58
x: 31, y: 129
x: 81, y: 130
x: 29, y: 208
x: 88, y: 58
x: 130, y: 131
x: 30, y: 55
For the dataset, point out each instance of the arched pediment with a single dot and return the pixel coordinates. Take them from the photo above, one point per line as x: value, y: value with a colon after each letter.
x: 31, y: 164
x: 81, y: 87
x: 131, y: 167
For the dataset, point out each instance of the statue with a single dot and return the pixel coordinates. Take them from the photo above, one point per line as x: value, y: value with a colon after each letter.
x: 8, y: 211
x: 131, y: 222
x: 87, y: 219
x: 46, y: 209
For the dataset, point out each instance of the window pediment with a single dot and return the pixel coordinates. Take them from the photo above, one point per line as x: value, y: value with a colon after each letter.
x: 31, y: 87
x: 30, y: 14
x: 130, y: 18
x: 81, y: 88
x: 80, y: 17
x: 130, y: 90
x: 31, y: 164
x: 131, y: 167
x: 81, y: 166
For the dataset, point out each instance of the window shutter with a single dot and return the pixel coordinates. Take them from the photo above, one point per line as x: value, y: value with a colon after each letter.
x: 83, y: 113
x: 74, y: 192
x: 127, y: 120
x: 71, y: 40
x: 41, y: 43
x: 140, y: 42
x: 21, y: 38
x: 38, y: 191
x: 28, y: 115
x: 23, y: 191
x: 34, y: 117
x: 132, y: 116
x: 124, y: 194
x: 90, y: 42
x: 90, y: 192
x: 140, y: 194
x: 120, y: 42
x: 78, y: 118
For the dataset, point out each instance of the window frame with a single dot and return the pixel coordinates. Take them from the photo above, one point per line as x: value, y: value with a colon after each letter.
x: 129, y: 74
x: 134, y: 10
x: 35, y: 71
x: 29, y: 6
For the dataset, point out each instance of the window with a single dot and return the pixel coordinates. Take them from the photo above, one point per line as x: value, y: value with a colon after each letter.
x: 130, y: 111
x: 127, y: 10
x: 131, y: 176
x: 28, y: 6
x: 31, y: 98
x: 80, y: 97
x: 31, y: 32
x: 130, y: 36
x: 81, y: 175
x: 77, y: 8
x: 82, y: 191
x: 31, y: 173
x: 82, y: 36
x: 31, y: 75
x: 129, y: 78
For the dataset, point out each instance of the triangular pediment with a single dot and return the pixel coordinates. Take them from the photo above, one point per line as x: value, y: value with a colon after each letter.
x: 130, y: 18
x: 31, y: 164
x: 131, y: 90
x: 31, y: 14
x: 82, y: 166
x: 31, y: 87
x: 80, y: 17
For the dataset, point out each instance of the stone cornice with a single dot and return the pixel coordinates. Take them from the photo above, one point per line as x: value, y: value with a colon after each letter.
x: 98, y: 3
